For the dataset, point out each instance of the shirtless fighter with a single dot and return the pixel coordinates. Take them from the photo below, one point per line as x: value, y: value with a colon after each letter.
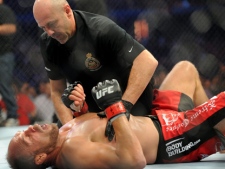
x: 81, y: 143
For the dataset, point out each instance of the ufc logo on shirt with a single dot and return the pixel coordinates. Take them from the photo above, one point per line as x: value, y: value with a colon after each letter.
x: 103, y: 92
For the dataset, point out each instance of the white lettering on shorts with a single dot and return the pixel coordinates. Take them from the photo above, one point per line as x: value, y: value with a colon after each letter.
x: 170, y: 121
x: 205, y: 108
x: 170, y: 118
x: 178, y: 147
x: 178, y: 126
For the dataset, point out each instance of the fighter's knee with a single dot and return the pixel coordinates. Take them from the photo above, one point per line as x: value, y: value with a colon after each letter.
x: 185, y: 63
x: 187, y: 66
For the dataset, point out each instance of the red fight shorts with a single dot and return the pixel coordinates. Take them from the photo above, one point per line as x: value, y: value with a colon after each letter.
x: 188, y: 136
x: 172, y: 100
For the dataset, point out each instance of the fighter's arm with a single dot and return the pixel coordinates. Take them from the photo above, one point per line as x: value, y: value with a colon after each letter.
x: 7, y: 29
x: 8, y: 22
x: 141, y: 73
x: 57, y: 88
x: 125, y: 152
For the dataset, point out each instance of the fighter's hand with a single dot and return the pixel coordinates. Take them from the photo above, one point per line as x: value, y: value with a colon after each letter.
x: 74, y: 98
x: 108, y: 95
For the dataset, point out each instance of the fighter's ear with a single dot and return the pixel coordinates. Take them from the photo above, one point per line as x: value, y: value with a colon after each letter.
x: 40, y: 158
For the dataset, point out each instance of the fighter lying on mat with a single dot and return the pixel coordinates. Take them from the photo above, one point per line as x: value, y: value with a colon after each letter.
x: 81, y: 143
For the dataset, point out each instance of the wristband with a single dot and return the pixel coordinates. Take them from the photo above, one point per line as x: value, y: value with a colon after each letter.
x: 128, y: 105
x: 114, y: 110
x: 83, y: 110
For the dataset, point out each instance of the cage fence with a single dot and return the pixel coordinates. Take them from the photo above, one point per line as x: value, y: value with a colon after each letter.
x: 172, y: 30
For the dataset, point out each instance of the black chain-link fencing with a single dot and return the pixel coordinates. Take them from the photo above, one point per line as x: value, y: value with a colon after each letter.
x: 176, y: 30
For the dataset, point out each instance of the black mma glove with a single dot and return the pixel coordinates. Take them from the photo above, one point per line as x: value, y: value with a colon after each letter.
x: 128, y: 107
x: 77, y: 111
x: 109, y: 131
x: 107, y: 95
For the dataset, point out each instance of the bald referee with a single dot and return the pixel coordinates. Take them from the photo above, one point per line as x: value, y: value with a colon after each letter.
x: 85, y: 47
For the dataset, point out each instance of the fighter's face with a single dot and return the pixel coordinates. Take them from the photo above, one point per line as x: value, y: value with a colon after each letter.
x: 38, y: 137
x: 57, y: 23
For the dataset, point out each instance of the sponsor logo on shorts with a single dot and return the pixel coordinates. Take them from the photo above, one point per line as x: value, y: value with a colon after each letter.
x: 174, y: 121
x: 92, y: 63
x: 176, y: 147
x: 205, y: 107
x: 171, y: 119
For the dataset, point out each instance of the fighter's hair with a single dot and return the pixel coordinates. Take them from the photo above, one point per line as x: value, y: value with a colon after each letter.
x: 22, y: 162
x: 19, y: 158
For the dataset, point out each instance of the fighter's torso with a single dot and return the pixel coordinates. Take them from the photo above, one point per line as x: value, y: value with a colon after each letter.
x: 92, y: 128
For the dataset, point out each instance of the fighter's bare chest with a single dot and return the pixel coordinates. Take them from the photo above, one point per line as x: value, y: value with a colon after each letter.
x: 92, y: 128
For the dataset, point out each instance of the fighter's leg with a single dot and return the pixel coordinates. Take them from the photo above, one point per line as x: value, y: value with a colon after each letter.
x: 197, y: 125
x: 220, y: 130
x: 184, y: 78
